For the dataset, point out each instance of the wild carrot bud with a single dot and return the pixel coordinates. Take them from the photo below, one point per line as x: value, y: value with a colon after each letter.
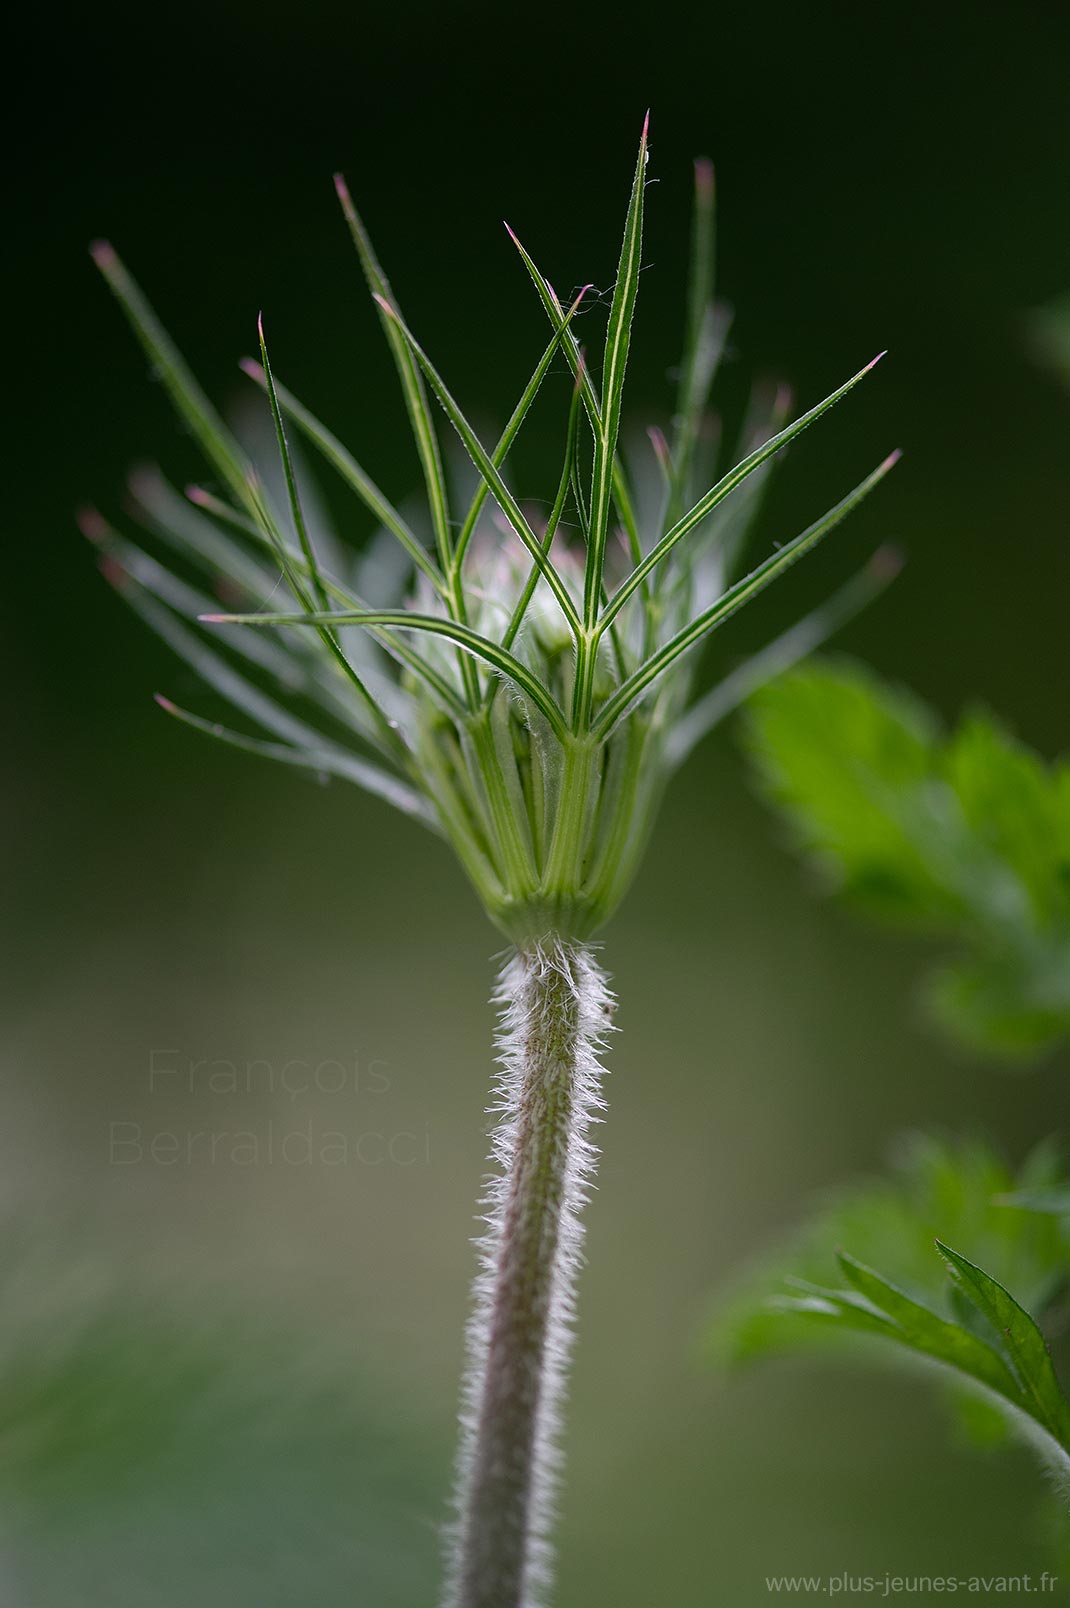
x: 524, y: 684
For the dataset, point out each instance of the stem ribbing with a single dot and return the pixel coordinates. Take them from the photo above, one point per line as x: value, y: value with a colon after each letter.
x: 555, y: 1008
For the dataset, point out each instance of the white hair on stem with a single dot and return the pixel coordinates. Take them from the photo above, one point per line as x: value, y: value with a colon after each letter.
x: 555, y: 1011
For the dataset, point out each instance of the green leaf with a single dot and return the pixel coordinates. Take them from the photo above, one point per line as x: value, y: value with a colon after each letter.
x: 897, y: 1286
x: 968, y: 835
x: 1011, y: 998
x: 850, y: 760
x: 1023, y: 1342
x: 925, y: 1331
x: 951, y: 1190
x: 1017, y: 807
x: 875, y: 1306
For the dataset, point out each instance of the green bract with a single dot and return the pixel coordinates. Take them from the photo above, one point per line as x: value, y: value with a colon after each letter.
x: 523, y: 685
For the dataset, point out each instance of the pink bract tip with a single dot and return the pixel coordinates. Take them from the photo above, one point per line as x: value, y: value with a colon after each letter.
x: 659, y: 443
x: 113, y: 571
x: 92, y: 526
x: 165, y: 703
x: 142, y: 480
x: 704, y: 176
x: 213, y: 619
x: 252, y: 368
x: 104, y: 254
x: 874, y: 361
x: 646, y: 125
x: 887, y: 561
x: 384, y: 304
x: 893, y: 457
x: 340, y: 186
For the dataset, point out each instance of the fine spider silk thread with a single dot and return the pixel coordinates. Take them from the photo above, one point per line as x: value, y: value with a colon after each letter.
x: 555, y: 1009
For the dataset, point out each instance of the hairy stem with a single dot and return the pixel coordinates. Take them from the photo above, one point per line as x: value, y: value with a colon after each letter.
x: 555, y: 1010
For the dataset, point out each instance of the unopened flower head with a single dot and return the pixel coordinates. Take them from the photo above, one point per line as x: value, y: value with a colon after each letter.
x: 517, y: 676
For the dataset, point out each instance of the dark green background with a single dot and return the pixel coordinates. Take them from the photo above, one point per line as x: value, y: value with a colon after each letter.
x: 888, y: 177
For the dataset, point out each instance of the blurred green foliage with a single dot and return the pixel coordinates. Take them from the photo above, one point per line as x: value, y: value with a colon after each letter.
x: 953, y: 1189
x: 1048, y: 332
x: 160, y: 1448
x: 965, y: 834
x: 930, y: 1300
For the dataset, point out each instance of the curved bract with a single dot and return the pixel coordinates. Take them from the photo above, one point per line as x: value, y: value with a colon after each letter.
x: 523, y: 684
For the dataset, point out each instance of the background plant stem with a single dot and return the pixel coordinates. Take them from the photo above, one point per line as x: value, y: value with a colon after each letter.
x: 555, y: 1008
